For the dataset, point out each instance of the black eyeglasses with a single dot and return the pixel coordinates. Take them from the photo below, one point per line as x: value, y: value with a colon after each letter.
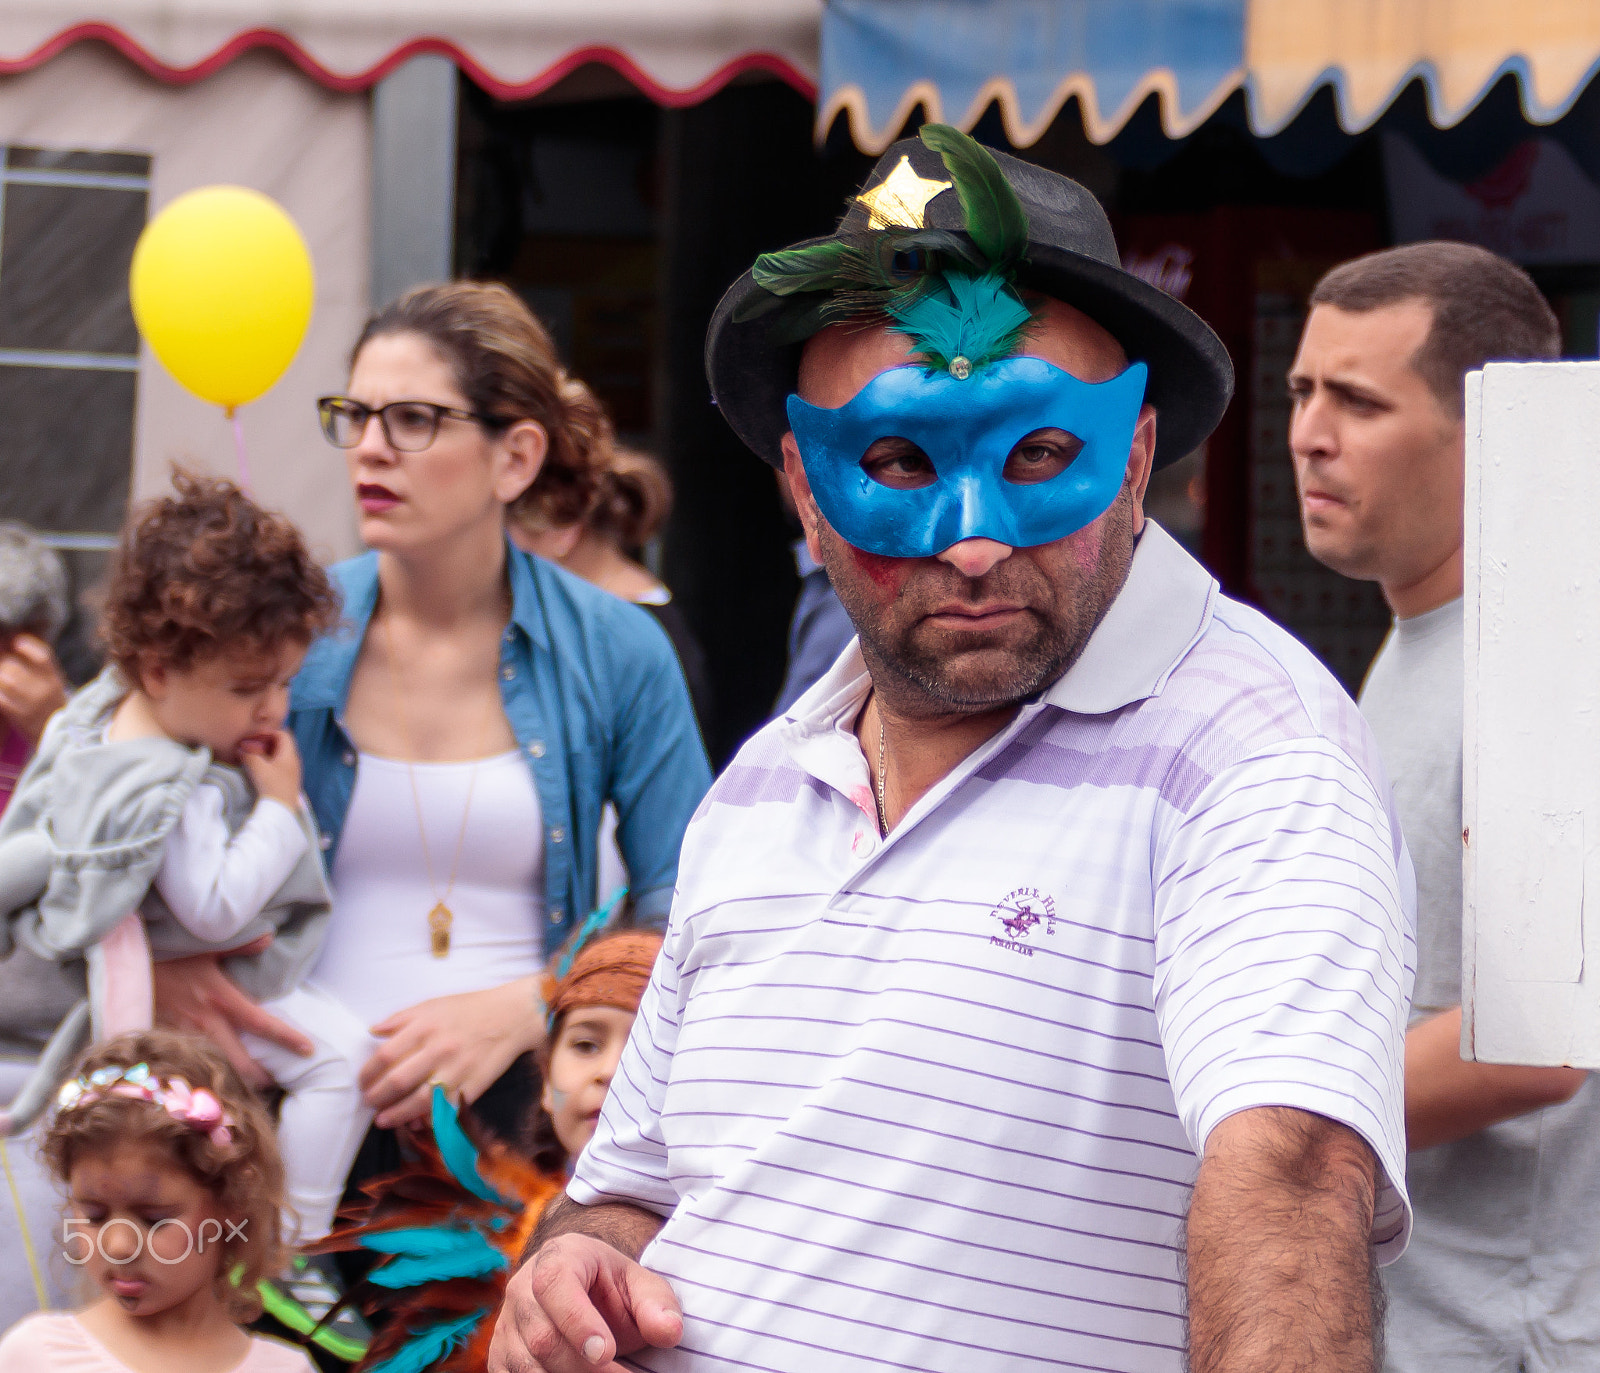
x: 409, y: 425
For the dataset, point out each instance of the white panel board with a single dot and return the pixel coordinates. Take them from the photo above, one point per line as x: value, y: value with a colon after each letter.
x: 1531, y: 775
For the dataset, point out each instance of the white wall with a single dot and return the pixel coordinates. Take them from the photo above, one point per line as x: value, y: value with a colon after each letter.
x: 258, y: 122
x: 1531, y: 776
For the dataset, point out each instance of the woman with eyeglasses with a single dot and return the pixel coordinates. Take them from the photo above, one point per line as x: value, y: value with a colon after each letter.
x: 463, y: 730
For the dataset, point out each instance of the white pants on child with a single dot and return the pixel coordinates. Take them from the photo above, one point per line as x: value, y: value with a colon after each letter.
x: 323, y: 1119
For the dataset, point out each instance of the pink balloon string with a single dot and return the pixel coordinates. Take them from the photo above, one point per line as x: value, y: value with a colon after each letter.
x: 238, y: 448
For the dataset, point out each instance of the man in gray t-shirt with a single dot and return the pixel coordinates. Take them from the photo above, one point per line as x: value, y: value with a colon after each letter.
x: 1504, y: 1168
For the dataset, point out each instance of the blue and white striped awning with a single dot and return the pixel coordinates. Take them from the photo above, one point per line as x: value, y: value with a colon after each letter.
x: 883, y: 58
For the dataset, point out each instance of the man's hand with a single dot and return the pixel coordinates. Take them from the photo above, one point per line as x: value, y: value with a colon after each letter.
x: 195, y: 994
x: 1281, y: 1269
x: 31, y: 687
x: 273, y: 765
x: 583, y: 1299
x: 1448, y: 1099
x: 577, y: 1306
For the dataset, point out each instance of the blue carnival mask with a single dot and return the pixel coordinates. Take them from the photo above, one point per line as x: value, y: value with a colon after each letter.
x: 968, y: 428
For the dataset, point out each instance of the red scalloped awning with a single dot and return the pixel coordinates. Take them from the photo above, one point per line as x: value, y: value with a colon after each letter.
x: 678, y: 52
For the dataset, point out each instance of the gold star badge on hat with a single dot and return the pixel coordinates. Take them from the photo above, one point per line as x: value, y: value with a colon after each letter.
x: 901, y: 199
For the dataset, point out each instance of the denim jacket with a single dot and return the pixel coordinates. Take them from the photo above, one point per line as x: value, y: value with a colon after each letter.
x: 598, y: 705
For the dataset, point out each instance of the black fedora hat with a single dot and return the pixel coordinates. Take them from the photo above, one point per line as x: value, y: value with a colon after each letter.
x: 1072, y: 256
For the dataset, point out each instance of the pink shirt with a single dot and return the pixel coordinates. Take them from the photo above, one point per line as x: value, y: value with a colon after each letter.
x: 55, y: 1342
x: 14, y: 754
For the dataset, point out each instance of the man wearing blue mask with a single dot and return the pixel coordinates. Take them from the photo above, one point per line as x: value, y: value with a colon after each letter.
x: 1035, y: 987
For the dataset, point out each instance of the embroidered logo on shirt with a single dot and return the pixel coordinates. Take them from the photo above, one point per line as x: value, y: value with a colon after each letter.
x: 1022, y: 914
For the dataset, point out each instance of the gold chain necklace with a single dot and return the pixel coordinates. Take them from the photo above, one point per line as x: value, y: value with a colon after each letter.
x: 440, y: 918
x: 882, y: 778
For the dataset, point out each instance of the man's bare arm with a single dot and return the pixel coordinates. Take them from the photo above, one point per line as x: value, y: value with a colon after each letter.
x: 1281, y: 1273
x: 1448, y: 1099
x: 581, y: 1299
x: 627, y: 1229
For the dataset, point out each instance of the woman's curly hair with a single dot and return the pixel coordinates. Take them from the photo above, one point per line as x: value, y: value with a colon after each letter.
x: 245, y: 1175
x: 206, y: 570
x: 506, y: 366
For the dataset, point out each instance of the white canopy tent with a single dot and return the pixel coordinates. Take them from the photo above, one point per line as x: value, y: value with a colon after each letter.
x: 343, y: 111
x: 676, y: 51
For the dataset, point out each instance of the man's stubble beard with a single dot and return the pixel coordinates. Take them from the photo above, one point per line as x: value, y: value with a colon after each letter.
x: 1351, y: 552
x: 925, y: 682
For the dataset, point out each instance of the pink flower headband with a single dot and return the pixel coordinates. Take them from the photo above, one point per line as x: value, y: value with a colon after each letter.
x: 196, y: 1107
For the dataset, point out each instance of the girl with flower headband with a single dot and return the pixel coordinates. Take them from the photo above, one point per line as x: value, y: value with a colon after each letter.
x: 174, y: 1186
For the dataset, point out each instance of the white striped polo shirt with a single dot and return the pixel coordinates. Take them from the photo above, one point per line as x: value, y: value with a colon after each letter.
x: 936, y: 1102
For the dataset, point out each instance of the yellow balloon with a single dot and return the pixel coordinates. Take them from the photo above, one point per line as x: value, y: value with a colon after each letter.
x: 222, y: 287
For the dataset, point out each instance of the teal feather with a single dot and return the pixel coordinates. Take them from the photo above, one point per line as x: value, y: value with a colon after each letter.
x: 460, y: 1155
x: 431, y: 1345
x: 461, y: 1254
x: 422, y: 1241
x: 596, y: 921
x: 995, y: 219
x: 978, y: 318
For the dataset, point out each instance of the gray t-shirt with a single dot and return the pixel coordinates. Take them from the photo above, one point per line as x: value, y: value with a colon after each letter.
x: 1503, y: 1272
x: 1412, y: 700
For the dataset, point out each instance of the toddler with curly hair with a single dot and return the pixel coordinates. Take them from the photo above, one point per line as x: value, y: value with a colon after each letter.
x: 173, y: 1183
x: 168, y: 788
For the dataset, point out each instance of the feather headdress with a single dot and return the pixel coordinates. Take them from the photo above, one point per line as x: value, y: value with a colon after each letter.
x: 453, y: 1224
x: 451, y: 1227
x: 953, y: 296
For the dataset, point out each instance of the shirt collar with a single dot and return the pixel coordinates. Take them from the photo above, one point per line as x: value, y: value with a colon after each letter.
x: 1163, y: 608
x: 324, y: 682
x: 527, y: 604
x: 804, y: 563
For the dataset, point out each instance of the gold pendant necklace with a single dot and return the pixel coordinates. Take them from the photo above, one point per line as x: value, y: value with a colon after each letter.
x: 440, y: 918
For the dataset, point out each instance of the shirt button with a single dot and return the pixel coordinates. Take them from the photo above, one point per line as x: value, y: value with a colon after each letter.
x: 508, y: 673
x: 555, y: 915
x: 557, y: 835
x: 349, y: 758
x: 861, y: 844
x: 324, y: 842
x: 536, y: 748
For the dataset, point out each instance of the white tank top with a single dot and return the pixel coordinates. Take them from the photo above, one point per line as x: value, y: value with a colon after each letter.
x: 377, y: 957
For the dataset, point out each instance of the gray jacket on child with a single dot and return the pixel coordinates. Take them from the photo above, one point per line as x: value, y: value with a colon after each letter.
x: 81, y: 843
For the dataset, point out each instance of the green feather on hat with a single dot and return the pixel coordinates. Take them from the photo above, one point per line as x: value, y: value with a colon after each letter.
x: 954, y: 298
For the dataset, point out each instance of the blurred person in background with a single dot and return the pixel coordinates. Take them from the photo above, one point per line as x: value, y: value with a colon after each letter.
x: 33, y: 610
x: 820, y: 628
x: 463, y: 728
x: 630, y: 503
x: 1504, y: 1162
x: 34, y: 607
